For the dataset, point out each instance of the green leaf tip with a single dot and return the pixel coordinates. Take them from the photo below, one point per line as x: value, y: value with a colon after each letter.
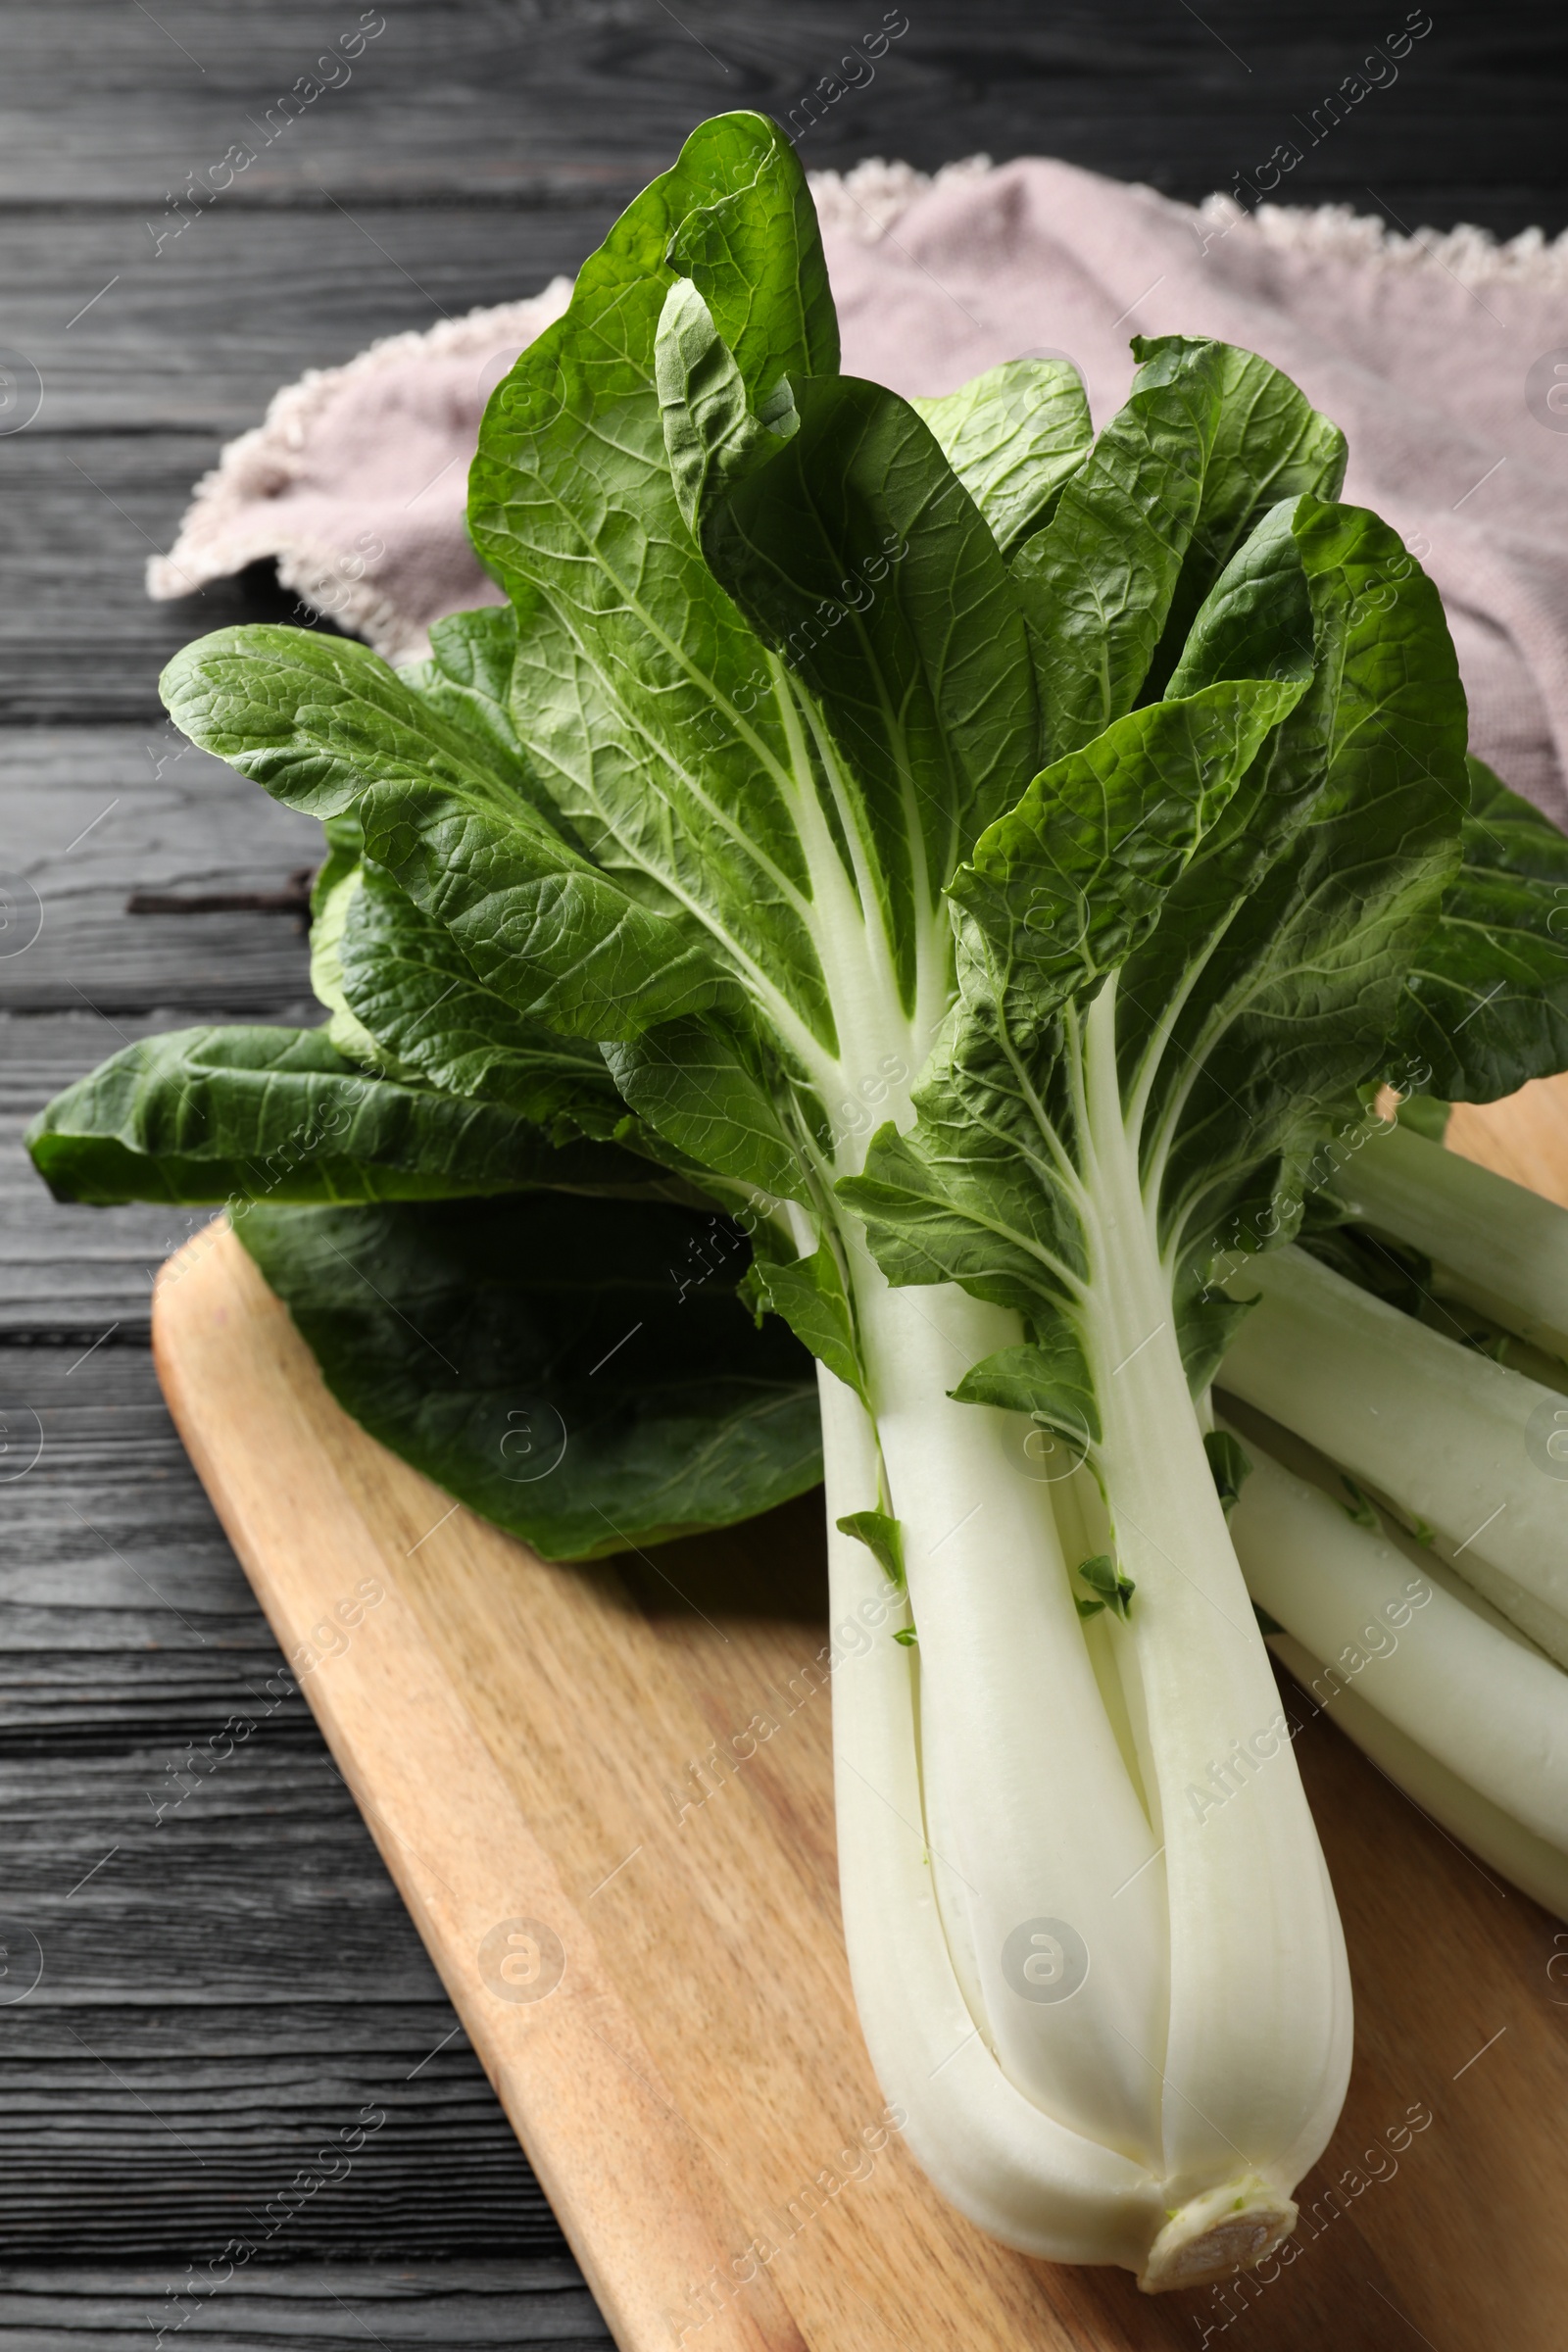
x: 1360, y: 1507
x: 881, y: 1536
x: 1231, y: 1464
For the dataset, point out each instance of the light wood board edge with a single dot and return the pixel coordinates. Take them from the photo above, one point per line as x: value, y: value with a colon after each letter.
x: 642, y: 2205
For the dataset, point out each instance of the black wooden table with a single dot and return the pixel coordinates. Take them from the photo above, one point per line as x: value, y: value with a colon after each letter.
x: 228, y: 1979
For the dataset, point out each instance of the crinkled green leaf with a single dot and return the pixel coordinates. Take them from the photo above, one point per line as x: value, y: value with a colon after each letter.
x: 645, y: 703
x: 215, y: 1115
x: 327, y: 727
x: 1489, y: 989
x: 540, y: 1361
x: 1257, y: 983
x: 1269, y: 445
x: 1210, y: 438
x: 755, y: 253
x: 855, y: 551
x: 694, y: 1084
x: 1308, y: 901
x: 405, y: 981
x: 1066, y: 885
x: 1014, y: 436
x: 1097, y: 583
x: 1060, y: 894
x: 468, y: 679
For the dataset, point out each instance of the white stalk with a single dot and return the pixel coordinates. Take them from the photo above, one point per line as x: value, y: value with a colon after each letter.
x: 1449, y: 1437
x: 1493, y: 1712
x: 1495, y: 1244
x: 1115, y: 2040
x: 1018, y: 2171
x: 1043, y: 1820
x: 1013, y: 2168
x: 1257, y: 2052
x: 1528, y: 1861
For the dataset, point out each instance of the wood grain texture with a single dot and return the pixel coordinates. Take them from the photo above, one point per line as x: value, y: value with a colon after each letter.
x: 228, y: 1973
x: 95, y: 814
x: 560, y: 1746
x: 318, y: 2306
x: 535, y: 97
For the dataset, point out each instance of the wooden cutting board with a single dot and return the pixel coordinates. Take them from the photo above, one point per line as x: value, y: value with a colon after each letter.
x: 605, y: 1796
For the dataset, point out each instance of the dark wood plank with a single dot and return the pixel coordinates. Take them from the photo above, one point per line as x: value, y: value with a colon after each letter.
x: 538, y: 2301
x: 139, y: 2156
x: 538, y: 98
x: 69, y: 1274
x: 228, y: 1973
x: 245, y: 298
x: 82, y: 644
x: 96, y: 814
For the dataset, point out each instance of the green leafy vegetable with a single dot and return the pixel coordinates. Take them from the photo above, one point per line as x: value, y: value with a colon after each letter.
x: 1000, y: 864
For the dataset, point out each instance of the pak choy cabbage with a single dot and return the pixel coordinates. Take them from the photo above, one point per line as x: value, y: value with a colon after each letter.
x: 954, y: 885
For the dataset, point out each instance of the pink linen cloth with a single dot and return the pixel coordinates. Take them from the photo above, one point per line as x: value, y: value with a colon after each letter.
x: 1444, y: 357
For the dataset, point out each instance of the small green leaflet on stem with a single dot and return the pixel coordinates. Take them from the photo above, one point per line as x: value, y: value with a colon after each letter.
x: 1113, y: 1591
x: 882, y: 1537
x: 1230, y: 1463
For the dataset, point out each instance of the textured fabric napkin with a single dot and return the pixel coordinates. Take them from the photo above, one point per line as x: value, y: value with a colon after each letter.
x: 1444, y: 357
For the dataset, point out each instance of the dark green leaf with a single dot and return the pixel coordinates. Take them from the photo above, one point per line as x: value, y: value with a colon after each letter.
x: 407, y: 981
x: 1488, y: 990
x: 1066, y: 885
x: 854, y: 552
x: 1210, y: 439
x: 1049, y: 1381
x: 1305, y: 905
x: 1098, y: 582
x: 241, y: 1114
x: 1269, y: 444
x: 695, y: 1084
x: 540, y: 1361
x: 468, y: 681
x: 327, y: 726
x: 645, y: 703
x: 754, y: 253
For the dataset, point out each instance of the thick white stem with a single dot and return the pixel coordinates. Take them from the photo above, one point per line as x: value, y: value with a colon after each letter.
x: 1492, y: 1711
x: 1017, y: 1750
x: 1449, y: 1437
x: 1542, y: 1870
x: 1001, y: 2159
x: 1502, y: 1247
x: 1258, y: 2046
